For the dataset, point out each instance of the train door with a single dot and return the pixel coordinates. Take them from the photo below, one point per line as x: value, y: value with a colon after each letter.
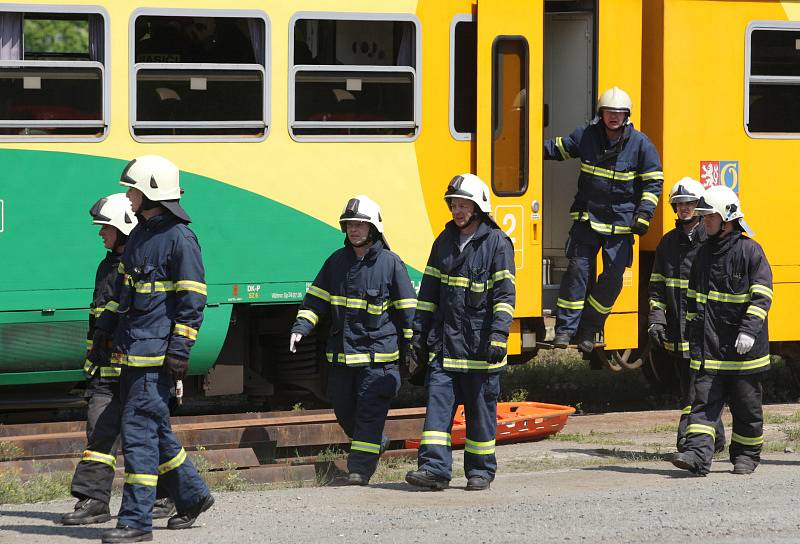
x: 509, y: 140
x: 568, y: 103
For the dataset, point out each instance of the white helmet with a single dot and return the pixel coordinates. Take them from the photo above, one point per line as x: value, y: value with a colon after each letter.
x: 470, y: 187
x: 615, y: 99
x: 722, y: 200
x: 114, y: 210
x: 686, y: 190
x: 362, y: 208
x: 158, y: 179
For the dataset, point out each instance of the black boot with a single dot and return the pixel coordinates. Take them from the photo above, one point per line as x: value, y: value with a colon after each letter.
x: 126, y: 534
x: 585, y: 341
x: 423, y: 478
x: 184, y: 520
x: 478, y: 483
x: 743, y: 465
x: 87, y: 511
x: 354, y: 478
x: 561, y: 340
x: 686, y: 462
x: 163, y: 508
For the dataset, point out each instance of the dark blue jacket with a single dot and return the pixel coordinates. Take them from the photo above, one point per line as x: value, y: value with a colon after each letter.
x: 104, y: 281
x: 371, y: 302
x: 466, y: 300
x: 159, y: 295
x: 730, y: 292
x: 617, y: 183
x: 668, y: 284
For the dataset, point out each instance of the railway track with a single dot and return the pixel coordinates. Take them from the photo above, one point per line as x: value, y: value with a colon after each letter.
x: 262, y: 447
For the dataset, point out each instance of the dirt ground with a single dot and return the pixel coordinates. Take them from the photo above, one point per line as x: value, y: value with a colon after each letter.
x: 604, y: 478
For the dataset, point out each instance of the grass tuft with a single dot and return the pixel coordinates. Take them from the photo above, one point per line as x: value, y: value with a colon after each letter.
x: 10, y: 451
x: 39, y: 487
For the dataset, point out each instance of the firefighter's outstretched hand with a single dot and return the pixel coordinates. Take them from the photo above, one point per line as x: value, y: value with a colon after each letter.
x: 294, y: 339
x: 640, y: 225
x: 497, y: 350
x: 177, y: 367
x: 658, y: 333
x: 744, y: 343
x: 100, y: 354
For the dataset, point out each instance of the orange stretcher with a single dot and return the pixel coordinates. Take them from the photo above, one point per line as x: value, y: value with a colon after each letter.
x: 516, y: 422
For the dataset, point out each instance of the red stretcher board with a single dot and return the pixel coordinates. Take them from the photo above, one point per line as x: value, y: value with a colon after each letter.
x: 516, y: 422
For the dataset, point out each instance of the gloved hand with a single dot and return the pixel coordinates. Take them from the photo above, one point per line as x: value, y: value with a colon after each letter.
x: 496, y: 352
x: 658, y: 333
x: 638, y: 227
x: 100, y: 354
x: 177, y: 366
x: 416, y: 359
x: 744, y: 343
x: 294, y: 339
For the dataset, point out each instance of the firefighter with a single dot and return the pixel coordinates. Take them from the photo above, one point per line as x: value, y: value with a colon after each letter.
x: 153, y: 317
x: 618, y: 190
x: 730, y: 293
x: 464, y: 312
x: 668, y: 283
x: 367, y: 292
x: 91, y: 483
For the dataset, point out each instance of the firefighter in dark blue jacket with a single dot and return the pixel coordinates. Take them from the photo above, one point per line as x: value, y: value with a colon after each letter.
x: 91, y: 483
x: 729, y: 296
x: 669, y: 282
x: 464, y: 311
x: 367, y: 292
x: 618, y: 190
x: 154, y: 318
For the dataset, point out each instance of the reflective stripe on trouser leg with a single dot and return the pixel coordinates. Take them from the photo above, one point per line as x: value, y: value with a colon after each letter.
x: 582, y: 247
x: 479, y: 394
x: 149, y: 443
x: 617, y: 251
x: 377, y: 386
x: 435, y: 453
x: 744, y: 399
x: 709, y: 399
x: 95, y: 472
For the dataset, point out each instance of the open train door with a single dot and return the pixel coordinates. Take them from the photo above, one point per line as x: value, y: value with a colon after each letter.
x: 509, y: 139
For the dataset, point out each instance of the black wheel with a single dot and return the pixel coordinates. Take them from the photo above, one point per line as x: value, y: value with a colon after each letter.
x: 618, y: 360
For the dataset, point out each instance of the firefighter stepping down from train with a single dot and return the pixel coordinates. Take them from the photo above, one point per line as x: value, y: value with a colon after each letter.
x: 365, y: 289
x: 464, y: 312
x: 91, y: 483
x: 152, y: 320
x: 729, y: 296
x: 618, y: 189
x: 669, y: 282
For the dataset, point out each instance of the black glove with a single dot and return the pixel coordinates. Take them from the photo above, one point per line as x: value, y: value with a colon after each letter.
x: 416, y: 360
x: 100, y: 354
x: 658, y: 334
x: 497, y: 349
x: 638, y: 227
x: 176, y: 366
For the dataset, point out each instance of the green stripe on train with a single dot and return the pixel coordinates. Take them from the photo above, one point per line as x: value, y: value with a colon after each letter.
x: 50, y: 252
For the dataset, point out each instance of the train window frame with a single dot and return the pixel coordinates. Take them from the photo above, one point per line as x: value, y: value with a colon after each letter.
x: 750, y: 79
x: 104, y: 68
x: 415, y: 71
x: 496, y: 106
x: 455, y: 133
x: 135, y: 67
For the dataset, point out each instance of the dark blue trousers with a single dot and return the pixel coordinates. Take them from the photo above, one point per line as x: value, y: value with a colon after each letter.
x: 361, y: 398
x: 151, y: 450
x: 743, y: 393
x: 581, y: 300
x: 478, y: 392
x: 687, y: 384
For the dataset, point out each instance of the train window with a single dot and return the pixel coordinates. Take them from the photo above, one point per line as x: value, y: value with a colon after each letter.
x: 199, y: 75
x: 510, y: 115
x: 772, y: 101
x: 354, y: 77
x: 463, y: 77
x: 53, y: 83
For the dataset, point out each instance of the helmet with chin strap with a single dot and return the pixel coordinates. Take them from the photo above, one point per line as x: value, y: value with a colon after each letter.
x: 686, y: 190
x: 723, y: 201
x: 469, y: 187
